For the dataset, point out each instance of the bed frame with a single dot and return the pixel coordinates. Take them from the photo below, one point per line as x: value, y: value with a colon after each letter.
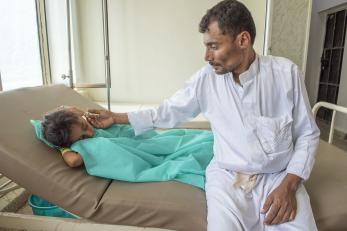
x: 165, y: 205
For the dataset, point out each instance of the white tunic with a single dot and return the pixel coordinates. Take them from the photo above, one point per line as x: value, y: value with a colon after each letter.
x: 265, y: 126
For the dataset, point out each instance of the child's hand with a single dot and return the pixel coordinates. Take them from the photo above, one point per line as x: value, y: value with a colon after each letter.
x: 99, y: 118
x: 72, y: 159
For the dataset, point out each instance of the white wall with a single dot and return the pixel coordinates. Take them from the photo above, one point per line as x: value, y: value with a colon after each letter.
x: 258, y: 10
x: 154, y: 45
x: 320, y: 8
x: 88, y: 57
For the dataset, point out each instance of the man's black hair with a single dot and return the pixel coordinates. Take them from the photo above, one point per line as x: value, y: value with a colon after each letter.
x: 56, y: 127
x: 232, y: 16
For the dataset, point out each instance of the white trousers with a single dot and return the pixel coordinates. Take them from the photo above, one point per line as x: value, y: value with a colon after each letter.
x: 230, y: 208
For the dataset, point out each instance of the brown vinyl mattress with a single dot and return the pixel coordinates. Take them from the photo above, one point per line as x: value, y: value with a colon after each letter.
x: 170, y: 205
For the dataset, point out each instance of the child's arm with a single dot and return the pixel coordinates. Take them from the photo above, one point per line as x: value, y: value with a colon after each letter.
x: 71, y: 158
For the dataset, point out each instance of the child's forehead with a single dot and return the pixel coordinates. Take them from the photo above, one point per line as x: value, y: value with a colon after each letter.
x: 76, y: 126
x: 75, y: 131
x: 79, y: 123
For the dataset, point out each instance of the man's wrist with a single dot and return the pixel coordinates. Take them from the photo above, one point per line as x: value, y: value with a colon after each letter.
x: 292, y: 181
x: 115, y: 117
x: 120, y: 118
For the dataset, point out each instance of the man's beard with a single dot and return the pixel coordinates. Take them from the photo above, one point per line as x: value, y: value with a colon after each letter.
x: 219, y: 69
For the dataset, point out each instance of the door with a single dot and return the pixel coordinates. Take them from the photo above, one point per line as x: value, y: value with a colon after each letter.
x: 331, y: 61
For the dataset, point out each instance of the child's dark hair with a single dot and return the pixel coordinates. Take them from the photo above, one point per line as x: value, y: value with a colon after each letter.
x: 56, y: 127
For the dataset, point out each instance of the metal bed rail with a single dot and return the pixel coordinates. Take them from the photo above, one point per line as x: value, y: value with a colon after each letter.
x: 333, y: 107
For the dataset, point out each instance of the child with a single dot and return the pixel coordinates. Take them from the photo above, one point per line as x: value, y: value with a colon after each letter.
x: 116, y: 153
x: 63, y: 127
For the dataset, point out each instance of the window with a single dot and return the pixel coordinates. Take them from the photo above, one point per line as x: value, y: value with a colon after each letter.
x: 20, y: 64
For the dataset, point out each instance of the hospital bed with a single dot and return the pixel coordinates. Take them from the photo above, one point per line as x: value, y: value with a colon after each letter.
x: 169, y: 205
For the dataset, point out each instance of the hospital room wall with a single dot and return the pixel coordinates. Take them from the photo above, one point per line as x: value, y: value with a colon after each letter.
x: 315, y: 48
x: 155, y: 45
x: 289, y: 30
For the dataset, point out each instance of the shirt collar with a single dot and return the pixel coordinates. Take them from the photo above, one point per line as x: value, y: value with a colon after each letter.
x: 251, y: 72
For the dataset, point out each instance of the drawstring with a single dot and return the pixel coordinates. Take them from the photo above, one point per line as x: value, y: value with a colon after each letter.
x: 245, y: 181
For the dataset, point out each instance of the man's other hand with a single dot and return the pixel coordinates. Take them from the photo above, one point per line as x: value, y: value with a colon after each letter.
x: 280, y: 206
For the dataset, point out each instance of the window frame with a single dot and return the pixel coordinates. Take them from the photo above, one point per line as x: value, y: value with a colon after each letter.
x: 43, y: 42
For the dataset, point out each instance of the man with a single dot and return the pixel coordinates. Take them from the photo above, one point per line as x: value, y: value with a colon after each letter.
x: 265, y: 137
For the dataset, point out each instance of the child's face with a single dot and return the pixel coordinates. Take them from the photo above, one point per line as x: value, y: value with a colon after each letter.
x: 81, y: 130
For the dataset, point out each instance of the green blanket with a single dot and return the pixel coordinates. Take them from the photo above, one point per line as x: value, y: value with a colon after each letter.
x: 116, y: 153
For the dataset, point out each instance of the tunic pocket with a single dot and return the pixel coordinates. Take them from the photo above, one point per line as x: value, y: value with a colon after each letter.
x: 274, y: 133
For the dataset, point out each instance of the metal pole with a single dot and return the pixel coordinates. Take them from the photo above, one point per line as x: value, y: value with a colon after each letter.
x: 107, y: 52
x: 68, y: 26
x: 332, y: 125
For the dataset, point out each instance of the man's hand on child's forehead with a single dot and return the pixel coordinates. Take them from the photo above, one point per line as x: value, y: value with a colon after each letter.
x: 91, y: 115
x: 87, y: 113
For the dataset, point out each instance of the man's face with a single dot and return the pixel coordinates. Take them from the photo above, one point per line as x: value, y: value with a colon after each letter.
x: 222, y: 51
x: 81, y: 130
